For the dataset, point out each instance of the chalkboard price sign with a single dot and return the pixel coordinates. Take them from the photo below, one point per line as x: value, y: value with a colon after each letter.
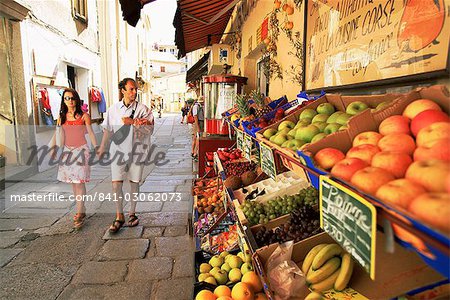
x: 240, y: 140
x: 268, y: 161
x: 350, y: 220
x: 248, y: 145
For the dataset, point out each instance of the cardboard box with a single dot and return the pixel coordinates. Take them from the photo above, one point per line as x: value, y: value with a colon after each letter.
x: 396, y: 273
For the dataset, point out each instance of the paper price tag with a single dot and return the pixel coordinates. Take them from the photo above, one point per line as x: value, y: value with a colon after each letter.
x: 268, y: 161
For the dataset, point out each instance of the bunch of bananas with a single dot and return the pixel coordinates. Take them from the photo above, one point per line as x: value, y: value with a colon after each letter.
x: 327, y: 266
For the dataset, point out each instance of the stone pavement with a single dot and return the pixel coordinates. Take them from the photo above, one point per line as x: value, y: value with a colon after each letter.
x: 42, y: 257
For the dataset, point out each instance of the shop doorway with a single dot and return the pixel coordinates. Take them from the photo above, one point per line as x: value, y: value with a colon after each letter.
x: 262, y: 82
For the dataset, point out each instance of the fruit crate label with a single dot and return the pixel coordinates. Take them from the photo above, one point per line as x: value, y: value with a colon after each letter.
x: 240, y: 140
x: 248, y: 145
x: 350, y: 220
x: 268, y: 161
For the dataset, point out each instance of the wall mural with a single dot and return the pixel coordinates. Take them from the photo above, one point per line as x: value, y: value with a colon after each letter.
x: 350, y: 42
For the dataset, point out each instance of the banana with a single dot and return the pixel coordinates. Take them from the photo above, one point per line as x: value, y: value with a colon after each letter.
x: 345, y: 274
x: 326, y: 284
x: 324, y: 271
x: 310, y: 256
x: 314, y: 296
x: 325, y: 254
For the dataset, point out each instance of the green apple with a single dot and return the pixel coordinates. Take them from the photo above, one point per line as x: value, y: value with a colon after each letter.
x: 295, y: 144
x: 216, y: 261
x: 343, y: 127
x: 246, y: 267
x: 382, y: 105
x: 320, y: 118
x: 292, y: 131
x: 211, y: 280
x: 224, y: 254
x: 320, y: 125
x: 221, y: 277
x: 269, y: 132
x: 235, y: 262
x: 290, y: 137
x: 214, y: 271
x: 280, y: 139
x: 284, y: 130
x: 272, y: 137
x: 284, y: 145
x: 356, y: 107
x: 333, y: 127
x: 307, y: 133
x: 304, y: 122
x: 325, y: 108
x: 235, y: 275
x: 333, y: 117
x: 226, y: 267
x: 205, y: 268
x: 308, y: 114
x: 318, y: 137
x: 286, y: 124
x: 203, y: 276
x: 241, y: 255
x: 343, y: 119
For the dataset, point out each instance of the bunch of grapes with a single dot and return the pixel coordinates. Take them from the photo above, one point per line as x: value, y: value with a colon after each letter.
x: 304, y: 223
x: 309, y: 195
x: 238, y: 168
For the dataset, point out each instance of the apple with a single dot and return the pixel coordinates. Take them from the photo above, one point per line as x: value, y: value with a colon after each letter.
x: 280, y: 139
x: 214, y: 271
x: 328, y: 157
x: 307, y: 133
x: 356, y: 107
x: 399, y: 192
x: 226, y: 267
x: 235, y: 275
x: 343, y: 127
x: 295, y: 144
x: 382, y: 105
x: 333, y: 117
x: 431, y: 174
x: 368, y: 137
x: 246, y: 267
x: 347, y: 167
x: 211, y: 280
x: 269, y: 132
x: 394, y: 124
x: 318, y: 137
x: 370, y: 179
x: 284, y: 145
x: 430, y: 134
x: 303, y: 123
x: 308, y: 113
x: 397, y: 142
x: 221, y: 277
x: 331, y: 128
x: 447, y: 184
x: 439, y: 150
x: 325, y: 108
x: 426, y: 118
x: 286, y: 124
x: 343, y: 119
x: 434, y: 209
x: 292, y: 132
x: 321, y: 125
x: 205, y: 268
x: 235, y: 262
x: 285, y: 130
x: 272, y: 138
x: 216, y: 261
x: 319, y: 118
x: 365, y: 152
x: 418, y: 106
x: 395, y: 163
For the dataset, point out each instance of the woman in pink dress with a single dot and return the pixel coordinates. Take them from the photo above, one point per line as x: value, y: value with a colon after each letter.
x: 74, y: 164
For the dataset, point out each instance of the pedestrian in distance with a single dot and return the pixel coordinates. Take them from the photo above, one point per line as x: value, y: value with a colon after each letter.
x: 138, y: 118
x: 199, y: 118
x: 184, y: 111
x: 72, y: 126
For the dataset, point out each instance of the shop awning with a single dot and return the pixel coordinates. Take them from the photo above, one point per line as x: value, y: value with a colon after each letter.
x: 198, y: 70
x: 131, y: 10
x: 199, y: 23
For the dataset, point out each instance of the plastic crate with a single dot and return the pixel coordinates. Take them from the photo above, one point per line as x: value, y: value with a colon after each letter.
x: 307, y: 160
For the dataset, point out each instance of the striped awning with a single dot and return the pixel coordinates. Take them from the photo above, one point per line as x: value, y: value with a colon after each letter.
x: 199, y: 23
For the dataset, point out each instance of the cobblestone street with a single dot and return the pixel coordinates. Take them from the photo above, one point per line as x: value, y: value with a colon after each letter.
x: 42, y: 257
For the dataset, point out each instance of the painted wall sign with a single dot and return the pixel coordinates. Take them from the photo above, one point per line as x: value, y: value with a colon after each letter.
x: 351, y: 42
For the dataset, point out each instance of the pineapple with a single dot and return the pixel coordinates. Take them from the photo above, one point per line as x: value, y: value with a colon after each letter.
x: 242, y: 104
x: 260, y: 109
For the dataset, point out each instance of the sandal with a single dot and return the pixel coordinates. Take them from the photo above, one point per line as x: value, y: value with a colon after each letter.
x: 133, y: 220
x: 116, y: 225
x: 78, y: 220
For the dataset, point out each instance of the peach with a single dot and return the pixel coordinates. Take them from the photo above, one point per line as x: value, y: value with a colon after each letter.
x: 370, y: 179
x: 418, y: 106
x: 395, y: 163
x: 397, y: 142
x: 394, y: 124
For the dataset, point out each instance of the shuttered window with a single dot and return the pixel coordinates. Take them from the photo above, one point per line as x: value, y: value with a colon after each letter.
x: 79, y: 8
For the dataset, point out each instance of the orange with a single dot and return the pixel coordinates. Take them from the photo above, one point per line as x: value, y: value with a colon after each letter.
x: 222, y: 290
x: 205, y: 295
x: 242, y: 291
x: 253, y: 281
x: 224, y: 298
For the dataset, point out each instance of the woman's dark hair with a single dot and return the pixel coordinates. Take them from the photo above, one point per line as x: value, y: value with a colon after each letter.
x: 64, y: 109
x: 124, y: 82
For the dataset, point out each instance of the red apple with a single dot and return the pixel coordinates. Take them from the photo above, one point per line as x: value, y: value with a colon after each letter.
x: 431, y: 174
x: 427, y: 118
x: 397, y: 142
x: 400, y: 192
x: 395, y: 163
x: 364, y: 152
x: 347, y: 167
x: 447, y: 184
x: 439, y: 150
x: 418, y: 106
x: 328, y: 157
x: 370, y: 179
x: 434, y: 209
x: 428, y: 135
x: 394, y: 124
x: 367, y: 138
